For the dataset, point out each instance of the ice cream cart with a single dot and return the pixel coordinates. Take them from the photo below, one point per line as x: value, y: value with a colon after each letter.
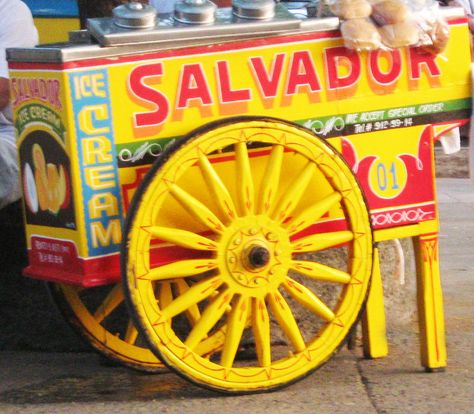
x: 196, y: 171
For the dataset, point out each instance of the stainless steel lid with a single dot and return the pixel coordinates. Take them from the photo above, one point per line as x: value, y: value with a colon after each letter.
x: 134, y: 15
x: 195, y: 11
x: 253, y: 9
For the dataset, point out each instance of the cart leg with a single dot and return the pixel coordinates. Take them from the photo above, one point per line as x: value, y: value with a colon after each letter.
x: 430, y: 303
x: 373, y: 322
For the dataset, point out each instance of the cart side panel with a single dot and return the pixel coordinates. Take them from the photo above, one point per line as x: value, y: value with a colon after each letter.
x: 378, y: 109
x: 377, y: 106
x: 48, y: 166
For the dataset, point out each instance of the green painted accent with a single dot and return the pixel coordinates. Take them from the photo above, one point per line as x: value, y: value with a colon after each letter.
x: 388, y: 113
x: 157, y: 145
x: 136, y: 146
x: 39, y: 113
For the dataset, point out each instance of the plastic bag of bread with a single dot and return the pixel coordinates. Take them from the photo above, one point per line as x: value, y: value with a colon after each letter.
x: 397, y: 25
x: 400, y: 34
x: 434, y: 28
x: 390, y: 12
x: 360, y: 35
x: 439, y: 35
x: 410, y: 23
x: 351, y: 9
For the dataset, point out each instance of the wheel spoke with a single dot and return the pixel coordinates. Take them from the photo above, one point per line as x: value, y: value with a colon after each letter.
x: 112, y: 300
x: 245, y: 186
x: 131, y: 334
x: 165, y: 294
x: 197, y: 209
x: 182, y: 238
x: 209, y: 318
x: 218, y: 190
x: 194, y: 295
x: 192, y: 313
x: 308, y: 299
x: 286, y: 320
x: 271, y: 179
x: 182, y: 268
x: 235, y: 328
x: 295, y: 192
x: 309, y: 215
x: 321, y: 241
x: 261, y: 332
x: 320, y: 272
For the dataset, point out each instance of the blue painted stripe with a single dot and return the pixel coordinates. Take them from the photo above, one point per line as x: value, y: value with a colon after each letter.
x: 53, y: 8
x: 98, y: 159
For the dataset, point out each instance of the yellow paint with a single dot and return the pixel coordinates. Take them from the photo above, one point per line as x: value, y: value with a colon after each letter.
x: 170, y: 202
x: 373, y: 323
x: 55, y: 30
x: 89, y: 115
x: 244, y: 201
x: 425, y: 227
x: 430, y: 302
x: 451, y: 84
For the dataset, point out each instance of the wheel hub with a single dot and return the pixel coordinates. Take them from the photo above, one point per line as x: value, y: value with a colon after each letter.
x: 255, y: 254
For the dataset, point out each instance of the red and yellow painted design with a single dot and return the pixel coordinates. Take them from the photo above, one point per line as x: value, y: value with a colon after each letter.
x: 382, y: 110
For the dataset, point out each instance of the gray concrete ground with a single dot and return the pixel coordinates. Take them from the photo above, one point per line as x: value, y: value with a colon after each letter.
x: 46, y: 382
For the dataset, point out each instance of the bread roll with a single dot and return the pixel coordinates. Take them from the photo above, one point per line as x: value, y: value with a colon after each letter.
x: 389, y: 12
x: 360, y: 34
x: 400, y: 34
x: 351, y: 9
x: 439, y: 35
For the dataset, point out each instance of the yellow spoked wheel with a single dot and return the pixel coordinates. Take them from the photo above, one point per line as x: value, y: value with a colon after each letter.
x: 100, y: 316
x: 253, y: 206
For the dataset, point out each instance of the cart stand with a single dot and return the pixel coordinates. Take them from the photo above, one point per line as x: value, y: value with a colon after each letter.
x: 91, y: 119
x: 430, y: 307
x: 429, y: 303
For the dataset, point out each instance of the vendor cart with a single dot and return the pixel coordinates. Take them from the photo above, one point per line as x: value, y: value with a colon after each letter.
x: 202, y: 173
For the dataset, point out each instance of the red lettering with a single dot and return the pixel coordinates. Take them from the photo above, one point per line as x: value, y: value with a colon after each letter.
x: 336, y: 57
x: 193, y: 85
x: 302, y: 73
x: 15, y: 92
x: 394, y: 59
x: 418, y: 60
x: 45, y: 90
x: 267, y: 82
x: 140, y: 89
x: 226, y: 93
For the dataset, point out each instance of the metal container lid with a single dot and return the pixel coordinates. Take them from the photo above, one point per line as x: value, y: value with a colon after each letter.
x: 135, y: 15
x: 195, y: 11
x: 253, y: 9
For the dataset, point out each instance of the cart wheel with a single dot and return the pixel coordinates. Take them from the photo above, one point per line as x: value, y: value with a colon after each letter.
x: 240, y: 200
x: 99, y: 315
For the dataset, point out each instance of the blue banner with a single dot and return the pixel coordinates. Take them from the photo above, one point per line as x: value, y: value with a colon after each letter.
x: 53, y: 8
x: 97, y: 161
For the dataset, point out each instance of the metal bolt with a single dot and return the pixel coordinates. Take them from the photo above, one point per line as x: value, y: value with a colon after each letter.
x: 135, y: 6
x: 237, y: 241
x: 271, y: 236
x: 253, y: 231
x: 232, y: 259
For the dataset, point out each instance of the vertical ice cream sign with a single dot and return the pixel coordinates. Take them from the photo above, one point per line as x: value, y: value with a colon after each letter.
x: 99, y: 174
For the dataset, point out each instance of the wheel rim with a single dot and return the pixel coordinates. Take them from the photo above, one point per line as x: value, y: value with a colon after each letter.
x: 248, y: 217
x: 89, y: 312
x: 100, y: 316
